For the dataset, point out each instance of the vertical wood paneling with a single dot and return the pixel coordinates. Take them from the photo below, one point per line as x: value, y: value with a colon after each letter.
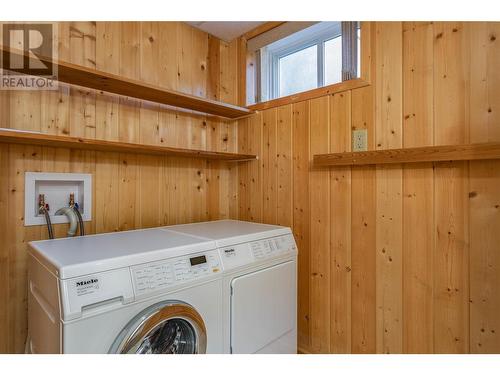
x: 484, y: 190
x: 451, y: 260
x: 55, y: 104
x: 129, y: 191
x: 127, y: 187
x: 451, y: 83
x: 340, y: 227
x: 301, y: 212
x: 284, y: 211
x: 24, y: 106
x: 129, y: 116
x: 106, y: 198
x: 389, y: 85
x: 215, y: 204
x: 418, y: 194
x: 363, y: 229
x: 198, y: 64
x: 432, y: 83
x: 108, y: 60
x: 82, y: 102
x: 229, y: 92
x: 21, y: 158
x: 418, y: 254
x: 169, y: 128
x: 4, y: 246
x: 269, y: 167
x: 485, y: 258
x: 319, y: 182
x: 254, y: 169
x: 389, y: 238
x: 451, y: 320
x: 148, y: 207
x: 484, y: 81
x: 229, y: 86
x: 149, y: 71
x: 107, y: 127
x: 243, y: 171
x: 389, y: 258
x: 363, y: 280
x: 399, y: 236
x: 82, y: 47
x: 250, y: 174
x: 129, y: 67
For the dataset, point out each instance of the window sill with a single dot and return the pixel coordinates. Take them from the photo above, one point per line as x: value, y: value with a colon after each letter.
x: 311, y: 94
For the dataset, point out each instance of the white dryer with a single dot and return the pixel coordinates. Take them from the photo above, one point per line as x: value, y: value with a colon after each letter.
x: 144, y: 291
x: 259, y: 286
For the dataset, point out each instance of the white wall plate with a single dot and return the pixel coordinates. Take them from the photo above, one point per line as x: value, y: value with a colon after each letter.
x: 56, y: 187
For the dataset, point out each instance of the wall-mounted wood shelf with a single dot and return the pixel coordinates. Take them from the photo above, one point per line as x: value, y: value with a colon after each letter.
x: 40, y: 139
x: 98, y: 80
x: 478, y: 151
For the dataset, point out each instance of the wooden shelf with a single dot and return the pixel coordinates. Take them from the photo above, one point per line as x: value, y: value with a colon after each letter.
x: 478, y: 151
x: 40, y: 139
x: 98, y: 80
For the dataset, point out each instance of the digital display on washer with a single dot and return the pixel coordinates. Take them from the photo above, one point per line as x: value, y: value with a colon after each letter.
x: 198, y: 260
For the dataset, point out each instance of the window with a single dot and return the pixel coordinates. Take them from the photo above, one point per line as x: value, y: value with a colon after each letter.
x: 305, y: 60
x: 298, y: 71
x: 333, y: 60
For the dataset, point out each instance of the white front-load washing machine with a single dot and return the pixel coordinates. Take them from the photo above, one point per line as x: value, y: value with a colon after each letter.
x: 143, y: 291
x: 259, y: 285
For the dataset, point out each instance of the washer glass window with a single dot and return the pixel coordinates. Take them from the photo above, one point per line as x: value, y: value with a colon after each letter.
x: 164, y: 328
x: 173, y: 336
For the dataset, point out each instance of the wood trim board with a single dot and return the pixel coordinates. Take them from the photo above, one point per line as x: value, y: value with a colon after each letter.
x: 478, y: 151
x: 87, y: 77
x: 40, y: 139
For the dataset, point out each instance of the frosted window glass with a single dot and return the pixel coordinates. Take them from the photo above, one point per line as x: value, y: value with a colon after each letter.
x: 333, y: 61
x: 298, y: 71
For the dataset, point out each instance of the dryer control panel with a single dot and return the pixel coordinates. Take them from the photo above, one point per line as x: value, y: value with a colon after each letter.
x: 250, y: 252
x: 272, y: 247
x: 151, y: 277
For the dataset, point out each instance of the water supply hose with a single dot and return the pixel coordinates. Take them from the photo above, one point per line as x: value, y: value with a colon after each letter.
x: 43, y: 208
x: 73, y: 220
x: 74, y: 206
x: 80, y: 219
x: 49, y: 223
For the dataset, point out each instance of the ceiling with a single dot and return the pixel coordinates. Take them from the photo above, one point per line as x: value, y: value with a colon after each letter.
x: 225, y: 30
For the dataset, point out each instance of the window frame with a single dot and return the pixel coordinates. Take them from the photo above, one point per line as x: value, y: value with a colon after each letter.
x: 270, y: 56
x: 250, y: 67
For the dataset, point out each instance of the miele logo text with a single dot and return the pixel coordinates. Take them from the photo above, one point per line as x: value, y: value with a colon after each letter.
x: 87, y: 282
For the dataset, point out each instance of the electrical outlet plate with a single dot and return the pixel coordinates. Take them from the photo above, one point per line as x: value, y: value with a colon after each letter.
x: 360, y: 140
x: 56, y: 187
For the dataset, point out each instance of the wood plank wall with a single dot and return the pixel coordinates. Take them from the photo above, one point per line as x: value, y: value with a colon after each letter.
x: 392, y: 259
x: 130, y: 191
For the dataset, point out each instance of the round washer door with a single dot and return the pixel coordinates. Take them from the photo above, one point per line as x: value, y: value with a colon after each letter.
x: 169, y: 327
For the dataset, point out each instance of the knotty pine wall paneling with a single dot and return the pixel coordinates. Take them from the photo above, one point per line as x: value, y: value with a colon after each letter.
x: 418, y: 189
x: 391, y: 259
x: 389, y: 186
x: 130, y: 191
x: 401, y: 258
x: 451, y: 126
x: 340, y: 233
x: 484, y: 188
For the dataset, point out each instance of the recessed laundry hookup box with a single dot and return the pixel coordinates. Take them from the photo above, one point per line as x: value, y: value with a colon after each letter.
x: 56, y: 188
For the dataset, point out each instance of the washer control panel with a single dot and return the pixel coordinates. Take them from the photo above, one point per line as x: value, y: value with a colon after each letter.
x: 250, y: 252
x: 151, y: 277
